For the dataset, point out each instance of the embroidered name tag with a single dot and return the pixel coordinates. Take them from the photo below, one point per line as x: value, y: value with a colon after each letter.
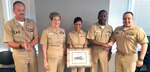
x: 61, y: 32
x: 117, y: 33
x: 131, y: 33
x: 50, y: 33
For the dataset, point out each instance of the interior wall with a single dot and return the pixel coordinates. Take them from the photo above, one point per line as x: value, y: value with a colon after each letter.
x: 1, y: 22
x: 69, y: 9
x: 141, y: 14
x: 3, y: 46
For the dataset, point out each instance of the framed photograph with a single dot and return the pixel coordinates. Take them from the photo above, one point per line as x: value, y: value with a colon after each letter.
x: 79, y: 57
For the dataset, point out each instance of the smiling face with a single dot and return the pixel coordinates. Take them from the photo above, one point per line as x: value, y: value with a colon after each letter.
x: 102, y: 17
x: 19, y: 11
x: 78, y: 26
x: 55, y: 21
x: 127, y: 19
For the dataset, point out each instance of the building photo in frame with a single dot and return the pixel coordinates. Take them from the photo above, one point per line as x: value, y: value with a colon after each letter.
x: 79, y: 57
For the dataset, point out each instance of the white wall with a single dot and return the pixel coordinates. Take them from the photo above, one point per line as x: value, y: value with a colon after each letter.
x: 3, y: 46
x: 142, y: 14
x: 116, y: 10
x: 69, y: 9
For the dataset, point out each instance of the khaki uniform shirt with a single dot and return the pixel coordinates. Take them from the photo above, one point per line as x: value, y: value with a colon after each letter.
x: 13, y: 31
x: 127, y: 38
x: 54, y: 41
x: 77, y: 39
x: 101, y: 35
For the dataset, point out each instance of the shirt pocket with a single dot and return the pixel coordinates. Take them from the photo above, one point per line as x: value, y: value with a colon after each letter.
x: 82, y: 39
x: 61, y: 38
x: 130, y: 35
x: 53, y: 39
x: 17, y: 35
x: 117, y: 35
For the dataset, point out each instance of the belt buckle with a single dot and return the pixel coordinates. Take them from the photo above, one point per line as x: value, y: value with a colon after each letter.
x: 21, y: 49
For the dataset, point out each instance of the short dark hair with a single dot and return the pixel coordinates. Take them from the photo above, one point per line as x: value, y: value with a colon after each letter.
x: 77, y: 19
x: 128, y: 12
x: 16, y: 2
x: 53, y: 14
x: 101, y: 11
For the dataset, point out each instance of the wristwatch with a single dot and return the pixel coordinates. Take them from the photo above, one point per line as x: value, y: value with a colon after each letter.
x: 20, y: 46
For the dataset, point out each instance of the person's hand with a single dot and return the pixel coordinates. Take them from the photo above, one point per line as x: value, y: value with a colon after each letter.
x: 24, y: 45
x: 46, y: 66
x: 139, y: 63
x: 107, y: 45
x: 29, y: 47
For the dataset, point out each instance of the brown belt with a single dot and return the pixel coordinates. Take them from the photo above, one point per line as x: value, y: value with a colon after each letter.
x: 55, y: 45
x: 126, y: 54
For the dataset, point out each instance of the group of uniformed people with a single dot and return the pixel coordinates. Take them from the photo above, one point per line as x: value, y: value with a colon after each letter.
x: 20, y: 33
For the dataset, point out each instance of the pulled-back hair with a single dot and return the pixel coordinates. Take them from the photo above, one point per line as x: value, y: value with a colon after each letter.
x: 53, y: 14
x: 77, y: 19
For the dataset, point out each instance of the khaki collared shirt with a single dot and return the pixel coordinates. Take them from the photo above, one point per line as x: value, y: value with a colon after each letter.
x: 99, y: 34
x: 54, y: 41
x: 51, y: 38
x: 77, y: 40
x: 13, y: 31
x: 128, y: 38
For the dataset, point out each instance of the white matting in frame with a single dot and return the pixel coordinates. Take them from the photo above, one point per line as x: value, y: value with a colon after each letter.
x: 79, y: 57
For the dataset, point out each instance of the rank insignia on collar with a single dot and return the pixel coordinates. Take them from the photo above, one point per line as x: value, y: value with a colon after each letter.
x: 16, y: 32
x: 31, y: 30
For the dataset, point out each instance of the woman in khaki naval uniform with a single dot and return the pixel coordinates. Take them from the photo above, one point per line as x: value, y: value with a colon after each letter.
x: 20, y: 33
x: 53, y: 45
x: 127, y: 37
x: 77, y: 39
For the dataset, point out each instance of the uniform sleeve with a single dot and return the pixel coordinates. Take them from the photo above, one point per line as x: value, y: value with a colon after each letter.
x: 69, y: 39
x: 35, y: 30
x: 86, y: 41
x: 113, y: 37
x: 141, y: 36
x: 8, y: 33
x: 44, y: 38
x: 65, y: 36
x: 90, y: 34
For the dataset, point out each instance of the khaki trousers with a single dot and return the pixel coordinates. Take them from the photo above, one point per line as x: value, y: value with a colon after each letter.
x: 25, y: 61
x: 56, y: 64
x: 101, y: 55
x: 81, y: 69
x: 125, y: 63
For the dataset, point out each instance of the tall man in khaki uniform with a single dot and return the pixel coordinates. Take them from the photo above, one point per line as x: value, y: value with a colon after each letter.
x: 20, y: 34
x: 53, y: 45
x: 99, y: 34
x: 77, y: 39
x: 127, y: 37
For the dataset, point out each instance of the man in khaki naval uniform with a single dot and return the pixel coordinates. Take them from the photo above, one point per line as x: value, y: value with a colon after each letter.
x: 20, y: 34
x: 98, y: 34
x: 127, y: 37
x: 53, y: 45
x: 77, y: 39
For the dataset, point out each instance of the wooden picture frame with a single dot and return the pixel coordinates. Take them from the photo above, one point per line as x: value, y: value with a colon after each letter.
x: 78, y: 57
